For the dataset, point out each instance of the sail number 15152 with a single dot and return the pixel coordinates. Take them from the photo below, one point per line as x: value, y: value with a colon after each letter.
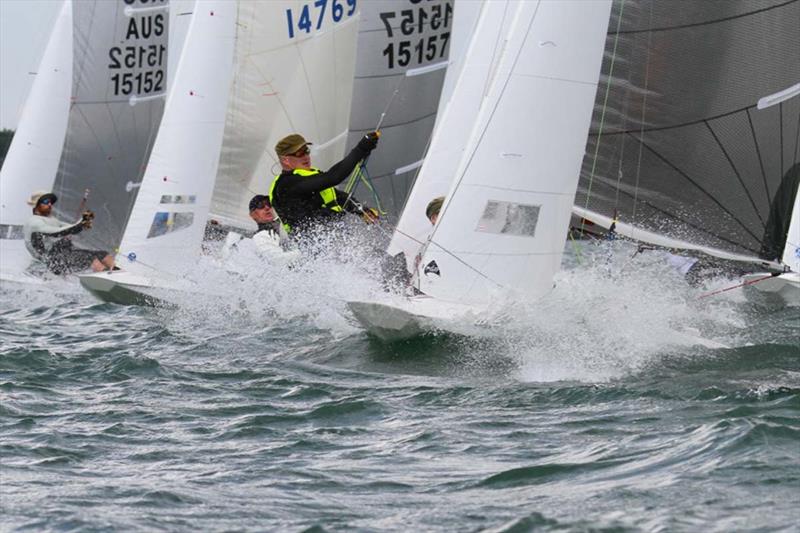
x: 303, y: 20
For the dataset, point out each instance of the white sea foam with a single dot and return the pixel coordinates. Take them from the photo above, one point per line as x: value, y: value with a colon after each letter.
x: 608, y: 315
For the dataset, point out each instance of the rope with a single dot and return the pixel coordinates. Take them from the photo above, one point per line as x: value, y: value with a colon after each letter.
x: 604, y: 108
x: 575, y: 247
x: 750, y: 282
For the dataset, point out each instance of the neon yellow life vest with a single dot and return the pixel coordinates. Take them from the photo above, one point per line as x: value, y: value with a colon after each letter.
x: 328, y: 195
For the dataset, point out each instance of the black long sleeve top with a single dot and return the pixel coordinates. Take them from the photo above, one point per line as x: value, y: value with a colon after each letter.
x: 297, y: 198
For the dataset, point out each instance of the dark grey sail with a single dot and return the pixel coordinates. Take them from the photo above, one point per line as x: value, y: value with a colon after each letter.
x: 697, y: 120
x: 403, y: 48
x: 119, y: 83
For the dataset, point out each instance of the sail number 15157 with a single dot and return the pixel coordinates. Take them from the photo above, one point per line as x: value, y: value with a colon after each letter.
x: 303, y: 20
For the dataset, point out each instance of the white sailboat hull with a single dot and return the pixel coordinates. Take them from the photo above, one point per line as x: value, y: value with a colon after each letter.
x: 127, y: 288
x: 412, y: 317
x: 785, y: 285
x: 421, y: 315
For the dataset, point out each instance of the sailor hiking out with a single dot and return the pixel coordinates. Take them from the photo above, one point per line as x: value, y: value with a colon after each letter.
x: 49, y: 240
x: 304, y: 196
x: 270, y: 242
x: 270, y: 237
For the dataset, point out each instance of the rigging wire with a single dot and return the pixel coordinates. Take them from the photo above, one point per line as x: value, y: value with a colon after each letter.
x: 604, y: 108
x: 744, y: 284
x: 641, y: 120
x: 357, y: 175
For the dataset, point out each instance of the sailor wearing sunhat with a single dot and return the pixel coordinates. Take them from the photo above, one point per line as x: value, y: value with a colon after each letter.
x: 49, y: 239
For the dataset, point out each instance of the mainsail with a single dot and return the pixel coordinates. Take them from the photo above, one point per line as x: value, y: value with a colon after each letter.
x: 293, y: 73
x: 505, y: 219
x: 696, y: 128
x: 400, y: 68
x: 119, y: 83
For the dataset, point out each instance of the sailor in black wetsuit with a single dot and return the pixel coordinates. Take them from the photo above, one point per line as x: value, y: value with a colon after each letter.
x: 304, y: 196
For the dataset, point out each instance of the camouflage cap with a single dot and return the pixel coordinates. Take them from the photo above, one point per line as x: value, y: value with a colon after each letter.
x: 434, y: 206
x: 290, y: 144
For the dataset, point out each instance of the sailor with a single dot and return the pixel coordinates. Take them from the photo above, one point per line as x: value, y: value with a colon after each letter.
x: 270, y: 237
x: 434, y: 206
x: 432, y: 213
x: 303, y: 195
x: 49, y: 240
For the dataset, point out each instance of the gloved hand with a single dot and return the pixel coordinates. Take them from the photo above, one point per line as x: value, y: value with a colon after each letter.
x: 370, y: 215
x: 369, y: 141
x: 86, y: 219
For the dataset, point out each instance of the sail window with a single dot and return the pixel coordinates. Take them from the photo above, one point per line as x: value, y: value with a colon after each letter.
x: 11, y: 232
x: 178, y: 199
x: 164, y: 223
x: 508, y: 218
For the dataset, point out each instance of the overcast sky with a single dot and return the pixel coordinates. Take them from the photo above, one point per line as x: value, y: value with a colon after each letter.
x: 25, y: 26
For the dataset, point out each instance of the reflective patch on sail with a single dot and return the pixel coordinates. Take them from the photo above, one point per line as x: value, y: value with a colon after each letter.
x: 508, y: 218
x: 164, y: 223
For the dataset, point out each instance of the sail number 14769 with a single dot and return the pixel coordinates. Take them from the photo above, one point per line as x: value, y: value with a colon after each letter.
x: 303, y: 20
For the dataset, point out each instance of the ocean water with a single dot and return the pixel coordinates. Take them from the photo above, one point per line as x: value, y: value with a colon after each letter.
x: 262, y: 407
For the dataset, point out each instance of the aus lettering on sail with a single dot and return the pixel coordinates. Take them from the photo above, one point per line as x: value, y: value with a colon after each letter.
x: 137, y: 66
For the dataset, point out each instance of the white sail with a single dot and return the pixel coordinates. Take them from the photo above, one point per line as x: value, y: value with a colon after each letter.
x: 293, y: 73
x: 505, y: 219
x: 401, y: 64
x: 167, y: 223
x: 453, y: 129
x: 466, y: 15
x: 35, y: 151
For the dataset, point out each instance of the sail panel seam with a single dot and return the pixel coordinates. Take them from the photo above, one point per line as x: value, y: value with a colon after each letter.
x: 736, y: 171
x: 758, y: 153
x: 711, y: 22
x: 701, y: 189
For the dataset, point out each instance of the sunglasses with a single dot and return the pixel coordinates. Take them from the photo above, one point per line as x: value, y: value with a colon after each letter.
x: 261, y: 205
x: 46, y: 201
x: 301, y: 152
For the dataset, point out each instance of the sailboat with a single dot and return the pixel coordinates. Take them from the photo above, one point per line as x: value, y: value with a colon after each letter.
x: 90, y: 120
x: 278, y: 67
x: 694, y: 140
x: 501, y: 230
